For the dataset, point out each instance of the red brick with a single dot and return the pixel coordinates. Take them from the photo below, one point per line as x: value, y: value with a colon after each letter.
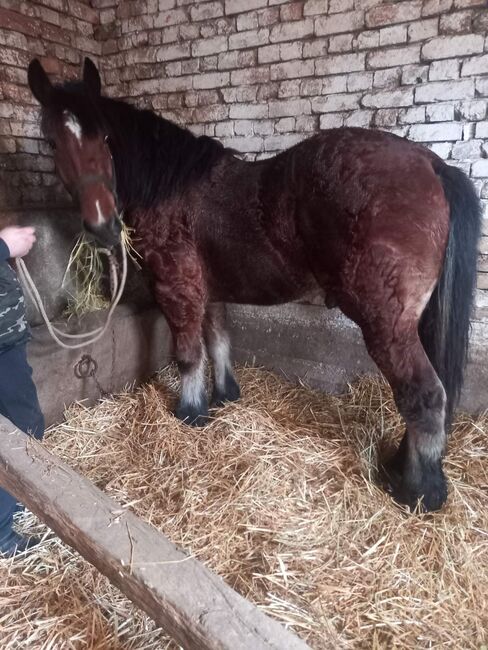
x: 56, y: 34
x: 19, y: 23
x: 390, y: 14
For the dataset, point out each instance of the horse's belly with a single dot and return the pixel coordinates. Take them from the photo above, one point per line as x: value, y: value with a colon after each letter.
x: 258, y: 280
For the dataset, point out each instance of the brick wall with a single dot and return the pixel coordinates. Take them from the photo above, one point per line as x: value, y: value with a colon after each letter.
x: 59, y: 32
x: 263, y: 74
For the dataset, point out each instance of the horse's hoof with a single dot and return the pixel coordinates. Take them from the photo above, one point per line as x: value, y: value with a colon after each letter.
x: 428, y: 496
x: 230, y: 393
x: 194, y: 416
x: 426, y: 500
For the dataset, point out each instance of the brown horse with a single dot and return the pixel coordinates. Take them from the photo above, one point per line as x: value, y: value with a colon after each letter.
x: 381, y: 225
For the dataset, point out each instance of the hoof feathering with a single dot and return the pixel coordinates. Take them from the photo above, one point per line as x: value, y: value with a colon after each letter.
x: 230, y: 392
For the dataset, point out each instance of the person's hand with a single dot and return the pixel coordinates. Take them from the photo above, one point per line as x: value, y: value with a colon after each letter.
x: 19, y: 240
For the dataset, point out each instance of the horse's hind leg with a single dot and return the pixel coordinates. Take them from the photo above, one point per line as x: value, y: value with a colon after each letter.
x: 226, y: 388
x: 386, y: 302
x: 416, y: 470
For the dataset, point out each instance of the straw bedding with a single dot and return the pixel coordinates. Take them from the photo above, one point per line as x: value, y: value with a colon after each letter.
x: 277, y: 495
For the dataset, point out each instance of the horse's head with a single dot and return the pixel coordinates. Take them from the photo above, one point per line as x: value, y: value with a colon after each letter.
x: 74, y: 128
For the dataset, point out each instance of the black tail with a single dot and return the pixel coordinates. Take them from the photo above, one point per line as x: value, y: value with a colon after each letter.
x: 445, y: 325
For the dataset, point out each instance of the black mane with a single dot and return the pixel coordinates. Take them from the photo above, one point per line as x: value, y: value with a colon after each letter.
x: 154, y: 158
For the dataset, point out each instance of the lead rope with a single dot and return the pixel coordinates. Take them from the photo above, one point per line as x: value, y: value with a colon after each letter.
x: 97, y: 333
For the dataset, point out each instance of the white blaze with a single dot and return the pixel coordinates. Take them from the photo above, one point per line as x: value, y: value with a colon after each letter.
x: 73, y: 125
x: 100, y: 219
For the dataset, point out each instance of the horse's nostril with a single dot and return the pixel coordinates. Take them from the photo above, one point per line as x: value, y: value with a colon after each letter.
x: 116, y: 225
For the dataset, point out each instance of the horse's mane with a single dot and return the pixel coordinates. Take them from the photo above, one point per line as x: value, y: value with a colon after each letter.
x: 154, y: 158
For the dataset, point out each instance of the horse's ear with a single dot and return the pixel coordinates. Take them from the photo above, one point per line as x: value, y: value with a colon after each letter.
x: 91, y: 77
x: 39, y: 82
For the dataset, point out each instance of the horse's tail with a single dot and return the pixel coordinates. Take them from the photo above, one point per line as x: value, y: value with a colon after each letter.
x: 445, y: 324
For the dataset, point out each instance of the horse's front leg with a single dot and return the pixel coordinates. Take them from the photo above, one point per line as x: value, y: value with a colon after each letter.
x: 226, y: 388
x: 182, y: 301
x: 190, y: 356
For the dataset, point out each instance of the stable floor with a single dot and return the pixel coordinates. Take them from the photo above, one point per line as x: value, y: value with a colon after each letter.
x: 278, y: 496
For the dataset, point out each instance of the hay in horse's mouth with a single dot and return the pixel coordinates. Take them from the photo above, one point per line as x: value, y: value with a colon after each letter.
x: 85, y: 270
x: 276, y: 495
x: 86, y: 274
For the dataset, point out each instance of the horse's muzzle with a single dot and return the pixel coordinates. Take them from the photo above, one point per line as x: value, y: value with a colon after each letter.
x: 106, y: 234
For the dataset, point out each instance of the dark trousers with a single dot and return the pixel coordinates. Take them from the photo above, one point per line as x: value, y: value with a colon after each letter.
x: 18, y: 403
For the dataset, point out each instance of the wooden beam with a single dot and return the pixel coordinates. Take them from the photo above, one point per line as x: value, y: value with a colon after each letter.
x: 190, y: 602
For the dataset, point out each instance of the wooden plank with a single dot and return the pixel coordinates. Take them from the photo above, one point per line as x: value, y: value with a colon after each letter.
x: 190, y: 602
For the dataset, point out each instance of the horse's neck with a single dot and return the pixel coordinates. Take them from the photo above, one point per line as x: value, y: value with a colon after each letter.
x: 161, y: 160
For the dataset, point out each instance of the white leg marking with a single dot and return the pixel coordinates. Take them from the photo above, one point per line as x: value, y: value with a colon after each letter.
x: 219, y: 351
x: 193, y: 384
x: 431, y: 444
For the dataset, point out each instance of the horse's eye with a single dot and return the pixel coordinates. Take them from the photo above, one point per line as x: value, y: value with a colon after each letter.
x: 51, y: 144
x: 106, y: 139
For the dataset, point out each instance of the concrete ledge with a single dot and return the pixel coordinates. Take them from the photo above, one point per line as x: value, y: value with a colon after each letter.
x: 307, y: 342
x: 326, y: 349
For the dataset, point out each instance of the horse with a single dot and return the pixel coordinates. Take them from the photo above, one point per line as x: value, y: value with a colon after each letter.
x: 381, y: 225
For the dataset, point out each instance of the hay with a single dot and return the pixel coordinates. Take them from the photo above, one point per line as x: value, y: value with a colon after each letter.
x: 85, y: 270
x: 276, y: 495
x: 86, y: 273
